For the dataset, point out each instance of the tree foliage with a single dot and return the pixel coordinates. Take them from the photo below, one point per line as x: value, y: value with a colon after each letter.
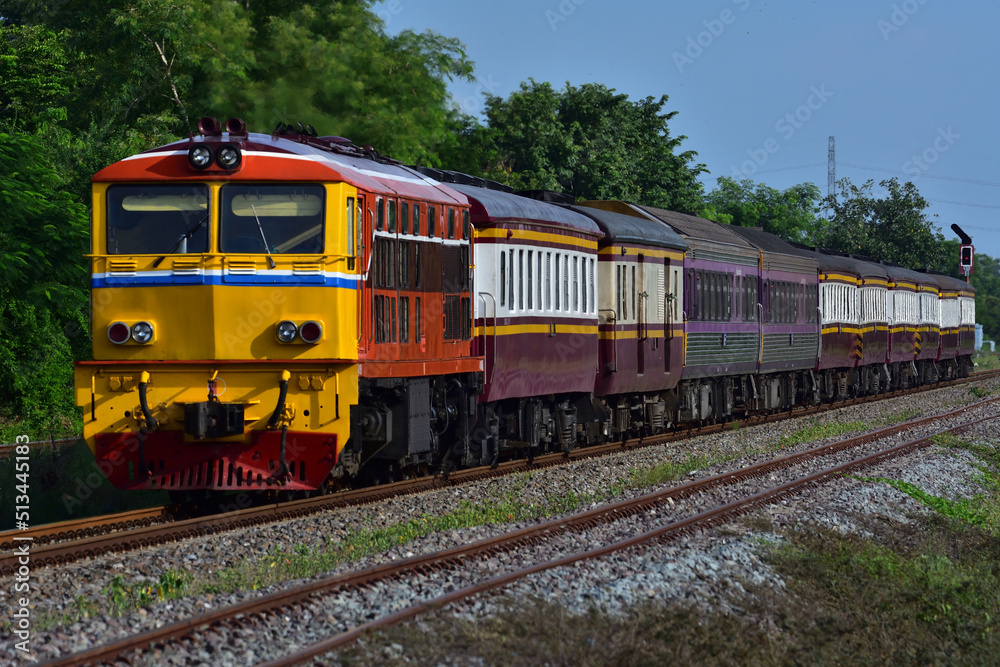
x: 892, y: 228
x: 43, y: 286
x: 791, y: 214
x: 161, y: 64
x: 586, y: 141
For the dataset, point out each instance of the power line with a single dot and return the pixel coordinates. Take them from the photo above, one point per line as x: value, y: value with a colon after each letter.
x: 961, y: 203
x: 940, y: 178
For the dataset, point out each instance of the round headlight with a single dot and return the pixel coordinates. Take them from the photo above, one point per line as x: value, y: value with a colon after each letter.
x: 286, y: 331
x: 142, y: 332
x: 119, y: 333
x: 311, y: 332
x: 228, y: 156
x: 200, y: 156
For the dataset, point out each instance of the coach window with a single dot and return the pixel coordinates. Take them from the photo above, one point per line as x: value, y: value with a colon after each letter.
x: 404, y: 264
x: 416, y: 219
x: 379, y: 214
x: 539, y: 274
x: 548, y: 281
x: 272, y: 219
x: 430, y: 221
x: 576, y: 284
x: 392, y: 216
x: 566, y: 282
x: 510, y: 282
x: 451, y: 223
x: 557, y: 283
x: 350, y: 228
x: 503, y: 279
x: 416, y: 265
x: 465, y: 224
x: 521, y: 284
x: 404, y: 218
x: 404, y: 319
x: 152, y: 219
x: 530, y: 287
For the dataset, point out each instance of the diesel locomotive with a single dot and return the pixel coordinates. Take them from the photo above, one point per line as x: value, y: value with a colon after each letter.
x: 289, y: 311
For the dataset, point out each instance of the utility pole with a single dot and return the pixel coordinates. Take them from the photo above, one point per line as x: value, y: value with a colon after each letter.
x: 831, y: 167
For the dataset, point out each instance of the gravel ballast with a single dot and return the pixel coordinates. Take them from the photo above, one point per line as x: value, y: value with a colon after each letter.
x: 705, y: 570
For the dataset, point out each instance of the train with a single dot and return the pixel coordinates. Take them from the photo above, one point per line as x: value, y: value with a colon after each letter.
x: 293, y: 312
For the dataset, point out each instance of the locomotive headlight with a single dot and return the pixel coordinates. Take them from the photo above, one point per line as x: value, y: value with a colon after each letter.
x: 142, y: 332
x: 228, y: 156
x: 200, y: 156
x: 311, y: 331
x: 119, y: 333
x: 286, y: 331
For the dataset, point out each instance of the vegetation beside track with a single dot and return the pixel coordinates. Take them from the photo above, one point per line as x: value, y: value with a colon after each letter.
x: 924, y: 592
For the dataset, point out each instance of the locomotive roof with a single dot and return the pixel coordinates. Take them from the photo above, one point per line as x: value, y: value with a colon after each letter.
x: 694, y: 227
x: 619, y: 228
x: 493, y: 206
x: 277, y: 157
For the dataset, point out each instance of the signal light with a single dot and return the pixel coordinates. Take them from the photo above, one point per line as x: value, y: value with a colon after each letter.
x: 311, y: 332
x: 965, y: 258
x: 119, y: 333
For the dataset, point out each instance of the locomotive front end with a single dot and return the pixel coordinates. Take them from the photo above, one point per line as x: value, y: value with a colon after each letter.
x: 223, y: 315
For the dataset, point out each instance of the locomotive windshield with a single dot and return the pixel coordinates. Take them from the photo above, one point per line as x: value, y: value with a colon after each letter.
x: 278, y: 219
x: 157, y: 219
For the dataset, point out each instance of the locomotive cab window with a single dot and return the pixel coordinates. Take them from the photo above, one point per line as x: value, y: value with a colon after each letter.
x: 273, y: 219
x: 151, y: 219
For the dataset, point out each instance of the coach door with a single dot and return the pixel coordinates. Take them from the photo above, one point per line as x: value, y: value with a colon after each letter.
x: 666, y: 305
x: 642, y: 315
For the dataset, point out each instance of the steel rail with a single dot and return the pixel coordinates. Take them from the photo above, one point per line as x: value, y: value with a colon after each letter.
x: 455, y: 556
x: 173, y: 530
x: 671, y: 531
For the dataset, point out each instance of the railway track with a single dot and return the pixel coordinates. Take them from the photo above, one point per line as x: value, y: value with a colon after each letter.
x: 245, y: 619
x: 56, y: 544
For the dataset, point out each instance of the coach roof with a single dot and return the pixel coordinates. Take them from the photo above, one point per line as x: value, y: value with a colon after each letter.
x: 494, y: 206
x: 620, y: 228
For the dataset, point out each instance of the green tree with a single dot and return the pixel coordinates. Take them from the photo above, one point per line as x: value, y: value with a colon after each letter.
x: 586, y: 141
x: 892, y: 228
x: 161, y: 64
x: 43, y: 287
x: 791, y: 214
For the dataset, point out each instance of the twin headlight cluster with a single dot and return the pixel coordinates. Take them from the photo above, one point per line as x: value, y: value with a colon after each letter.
x: 227, y: 156
x: 308, y: 332
x: 120, y: 333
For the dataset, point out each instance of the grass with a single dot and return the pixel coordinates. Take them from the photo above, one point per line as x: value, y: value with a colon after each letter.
x: 986, y: 361
x: 925, y: 592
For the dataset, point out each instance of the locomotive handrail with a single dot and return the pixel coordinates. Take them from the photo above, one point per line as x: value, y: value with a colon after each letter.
x: 483, y: 295
x: 614, y: 334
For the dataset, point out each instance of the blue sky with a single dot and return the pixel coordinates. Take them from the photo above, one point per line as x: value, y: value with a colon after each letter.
x: 909, y: 88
